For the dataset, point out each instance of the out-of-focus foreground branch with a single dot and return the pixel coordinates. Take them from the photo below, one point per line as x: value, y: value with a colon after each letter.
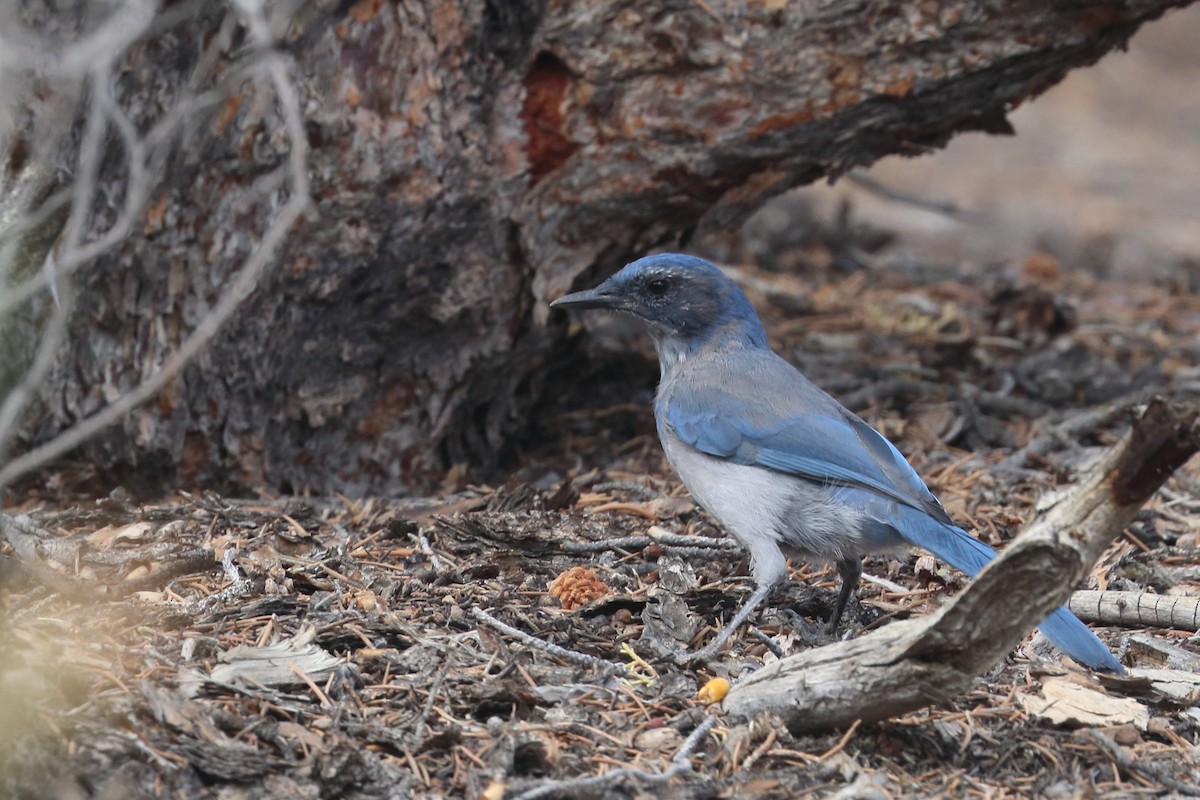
x: 81, y: 170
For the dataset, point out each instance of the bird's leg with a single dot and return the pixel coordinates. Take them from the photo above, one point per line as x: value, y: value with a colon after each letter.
x: 739, y: 619
x: 850, y: 570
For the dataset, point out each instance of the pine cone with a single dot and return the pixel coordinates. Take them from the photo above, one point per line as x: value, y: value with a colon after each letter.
x: 576, y: 587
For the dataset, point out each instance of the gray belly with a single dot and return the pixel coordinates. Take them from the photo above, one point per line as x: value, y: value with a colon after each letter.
x: 771, y: 513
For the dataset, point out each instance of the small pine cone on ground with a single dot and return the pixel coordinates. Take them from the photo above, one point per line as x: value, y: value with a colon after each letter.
x: 576, y: 587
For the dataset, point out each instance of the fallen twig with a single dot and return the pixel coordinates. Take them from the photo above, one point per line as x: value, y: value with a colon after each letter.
x: 679, y: 764
x: 1137, y: 609
x: 1065, y: 430
x: 944, y: 207
x: 428, y: 709
x: 529, y: 640
x: 435, y: 561
x: 1130, y: 765
x: 632, y: 487
x: 673, y: 541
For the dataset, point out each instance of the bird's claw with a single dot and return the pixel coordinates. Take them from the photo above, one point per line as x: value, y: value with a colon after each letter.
x: 812, y: 634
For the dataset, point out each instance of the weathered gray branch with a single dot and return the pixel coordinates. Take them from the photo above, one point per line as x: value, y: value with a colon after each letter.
x: 1137, y: 609
x: 911, y: 664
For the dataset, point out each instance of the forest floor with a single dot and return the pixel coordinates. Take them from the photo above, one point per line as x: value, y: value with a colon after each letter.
x: 205, y: 646
x: 348, y: 648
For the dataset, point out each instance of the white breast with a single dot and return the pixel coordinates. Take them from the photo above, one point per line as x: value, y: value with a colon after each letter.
x: 768, y: 512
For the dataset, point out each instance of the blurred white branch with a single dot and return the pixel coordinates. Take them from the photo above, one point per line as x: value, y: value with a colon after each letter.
x: 93, y: 61
x: 120, y: 29
x: 146, y: 155
x: 19, y: 397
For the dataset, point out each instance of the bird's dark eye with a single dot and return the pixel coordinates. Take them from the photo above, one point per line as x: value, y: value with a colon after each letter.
x: 658, y: 286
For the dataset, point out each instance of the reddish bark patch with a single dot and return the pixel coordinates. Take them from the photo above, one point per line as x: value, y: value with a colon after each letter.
x: 781, y: 122
x: 228, y: 114
x: 365, y: 11
x: 155, y: 216
x: 194, y: 458
x: 1094, y: 20
x: 18, y: 156
x: 547, y: 147
x: 900, y: 88
x: 1158, y: 449
x: 384, y: 413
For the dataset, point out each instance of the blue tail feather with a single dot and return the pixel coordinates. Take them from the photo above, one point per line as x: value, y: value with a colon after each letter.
x: 1075, y: 639
x: 964, y: 552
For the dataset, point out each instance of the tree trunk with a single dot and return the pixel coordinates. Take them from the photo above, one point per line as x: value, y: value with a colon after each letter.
x: 470, y: 160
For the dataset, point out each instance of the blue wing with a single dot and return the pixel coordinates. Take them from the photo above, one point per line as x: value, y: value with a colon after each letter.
x: 795, y: 428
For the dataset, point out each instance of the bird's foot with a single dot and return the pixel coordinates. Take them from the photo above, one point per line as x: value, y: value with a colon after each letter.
x: 812, y: 634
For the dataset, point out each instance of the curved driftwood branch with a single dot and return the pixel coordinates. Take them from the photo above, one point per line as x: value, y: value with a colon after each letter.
x: 911, y: 664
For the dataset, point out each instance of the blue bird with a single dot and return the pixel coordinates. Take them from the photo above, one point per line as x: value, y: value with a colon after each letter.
x: 782, y: 465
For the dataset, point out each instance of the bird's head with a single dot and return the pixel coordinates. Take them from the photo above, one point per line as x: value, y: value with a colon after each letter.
x: 686, y: 302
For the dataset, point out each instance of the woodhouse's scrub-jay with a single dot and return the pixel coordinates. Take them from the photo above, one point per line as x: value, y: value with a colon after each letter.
x: 784, y: 467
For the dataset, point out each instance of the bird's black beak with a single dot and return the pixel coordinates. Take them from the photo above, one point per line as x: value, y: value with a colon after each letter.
x: 600, y: 297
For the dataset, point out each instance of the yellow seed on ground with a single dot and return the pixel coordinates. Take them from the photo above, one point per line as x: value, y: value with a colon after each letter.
x: 714, y: 691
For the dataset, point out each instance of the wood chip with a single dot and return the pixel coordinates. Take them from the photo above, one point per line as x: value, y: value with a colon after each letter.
x: 1065, y: 702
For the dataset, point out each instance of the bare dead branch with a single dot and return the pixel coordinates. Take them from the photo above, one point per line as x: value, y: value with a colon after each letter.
x: 679, y: 764
x: 90, y: 154
x: 944, y: 207
x: 1137, y: 609
x: 21, y: 395
x: 572, y: 656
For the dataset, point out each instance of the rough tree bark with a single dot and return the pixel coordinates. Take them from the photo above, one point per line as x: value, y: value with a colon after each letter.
x: 470, y: 160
